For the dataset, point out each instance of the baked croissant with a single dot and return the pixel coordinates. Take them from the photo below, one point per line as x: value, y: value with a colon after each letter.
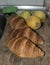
x: 17, y: 22
x: 23, y: 47
x: 24, y: 30
x: 28, y: 33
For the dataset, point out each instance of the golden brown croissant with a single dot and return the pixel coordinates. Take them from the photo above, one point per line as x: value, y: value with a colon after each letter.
x: 28, y: 33
x: 23, y: 47
x: 17, y: 22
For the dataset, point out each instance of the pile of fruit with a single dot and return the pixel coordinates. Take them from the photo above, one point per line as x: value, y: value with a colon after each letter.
x: 34, y: 19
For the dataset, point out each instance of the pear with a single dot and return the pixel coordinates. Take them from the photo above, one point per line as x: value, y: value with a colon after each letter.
x: 41, y: 15
x: 33, y: 22
x: 25, y: 14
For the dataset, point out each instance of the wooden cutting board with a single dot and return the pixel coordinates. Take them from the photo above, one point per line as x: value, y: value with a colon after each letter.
x: 8, y: 58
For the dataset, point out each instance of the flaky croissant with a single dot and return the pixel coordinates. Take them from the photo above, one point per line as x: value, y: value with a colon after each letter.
x: 28, y: 33
x: 17, y: 22
x: 23, y: 47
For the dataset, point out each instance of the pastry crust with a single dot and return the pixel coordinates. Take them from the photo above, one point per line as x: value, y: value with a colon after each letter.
x: 28, y: 33
x: 23, y: 47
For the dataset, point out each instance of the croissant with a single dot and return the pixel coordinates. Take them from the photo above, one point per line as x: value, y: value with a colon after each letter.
x: 28, y: 33
x: 17, y: 22
x: 23, y: 47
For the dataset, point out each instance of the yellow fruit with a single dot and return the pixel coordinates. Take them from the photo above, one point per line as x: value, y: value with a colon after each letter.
x: 33, y: 22
x: 25, y: 14
x: 41, y: 15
